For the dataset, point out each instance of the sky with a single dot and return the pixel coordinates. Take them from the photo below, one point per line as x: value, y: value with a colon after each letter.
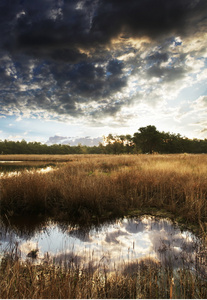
x: 78, y: 70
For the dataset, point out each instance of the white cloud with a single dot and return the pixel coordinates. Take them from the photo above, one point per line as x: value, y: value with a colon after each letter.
x: 74, y: 141
x: 15, y: 137
x: 20, y: 14
x: 200, y: 104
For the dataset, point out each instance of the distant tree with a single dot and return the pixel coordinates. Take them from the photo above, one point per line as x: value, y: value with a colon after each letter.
x: 110, y: 144
x: 129, y: 143
x: 147, y: 139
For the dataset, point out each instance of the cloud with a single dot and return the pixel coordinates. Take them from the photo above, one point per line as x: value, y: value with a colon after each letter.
x: 150, y: 18
x: 91, y: 59
x: 43, y: 27
x: 201, y: 103
x: 55, y: 139
x: 74, y: 141
x: 204, y: 130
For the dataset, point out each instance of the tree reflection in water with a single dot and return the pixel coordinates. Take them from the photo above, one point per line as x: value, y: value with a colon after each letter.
x: 110, y: 246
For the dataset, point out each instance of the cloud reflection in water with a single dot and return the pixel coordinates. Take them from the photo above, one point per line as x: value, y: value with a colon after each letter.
x: 123, y: 241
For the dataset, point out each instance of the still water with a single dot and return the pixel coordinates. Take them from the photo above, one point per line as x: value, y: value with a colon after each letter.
x: 14, y: 168
x: 111, y: 245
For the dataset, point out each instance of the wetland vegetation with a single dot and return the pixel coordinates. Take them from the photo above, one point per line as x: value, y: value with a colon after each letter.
x: 96, y: 187
x: 87, y: 190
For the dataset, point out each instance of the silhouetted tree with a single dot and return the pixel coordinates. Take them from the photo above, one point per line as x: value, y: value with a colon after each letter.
x: 147, y: 139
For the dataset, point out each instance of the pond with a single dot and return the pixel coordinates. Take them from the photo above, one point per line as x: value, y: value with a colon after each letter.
x: 13, y: 168
x: 111, y: 246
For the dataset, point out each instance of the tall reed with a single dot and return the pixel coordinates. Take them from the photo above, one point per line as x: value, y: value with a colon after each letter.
x: 143, y: 279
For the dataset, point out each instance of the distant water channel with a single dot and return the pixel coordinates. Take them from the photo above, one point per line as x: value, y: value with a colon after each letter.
x: 13, y: 168
x: 110, y: 246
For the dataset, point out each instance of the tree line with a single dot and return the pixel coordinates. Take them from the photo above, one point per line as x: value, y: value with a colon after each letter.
x: 146, y: 140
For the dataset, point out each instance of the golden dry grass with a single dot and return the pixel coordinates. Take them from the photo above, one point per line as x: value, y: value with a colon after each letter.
x: 99, y: 186
x: 95, y: 187
x: 36, y: 157
x: 145, y: 279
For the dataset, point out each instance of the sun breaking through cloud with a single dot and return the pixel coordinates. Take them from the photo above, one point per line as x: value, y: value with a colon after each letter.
x: 104, y: 61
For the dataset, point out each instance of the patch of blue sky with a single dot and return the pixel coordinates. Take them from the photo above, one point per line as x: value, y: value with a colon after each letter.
x: 191, y: 93
x: 13, y: 129
x: 108, y: 74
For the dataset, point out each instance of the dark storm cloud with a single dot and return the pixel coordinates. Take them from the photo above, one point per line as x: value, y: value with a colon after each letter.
x: 56, y: 54
x: 166, y: 74
x: 109, y: 108
x: 85, y: 81
x: 57, y: 28
x: 157, y: 57
x: 68, y: 55
x: 53, y: 29
x: 45, y: 27
x: 148, y: 17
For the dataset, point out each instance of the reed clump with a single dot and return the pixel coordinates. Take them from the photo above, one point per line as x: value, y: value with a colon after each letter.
x: 102, y: 186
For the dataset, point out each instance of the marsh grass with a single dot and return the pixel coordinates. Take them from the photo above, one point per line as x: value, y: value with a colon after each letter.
x: 92, y: 188
x: 142, y: 279
x: 36, y: 157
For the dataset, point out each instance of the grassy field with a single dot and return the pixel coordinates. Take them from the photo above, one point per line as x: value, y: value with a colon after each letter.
x: 91, y: 188
x: 36, y: 157
x: 95, y: 187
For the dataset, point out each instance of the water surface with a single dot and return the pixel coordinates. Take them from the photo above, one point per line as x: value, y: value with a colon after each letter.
x: 14, y: 168
x: 111, y: 245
